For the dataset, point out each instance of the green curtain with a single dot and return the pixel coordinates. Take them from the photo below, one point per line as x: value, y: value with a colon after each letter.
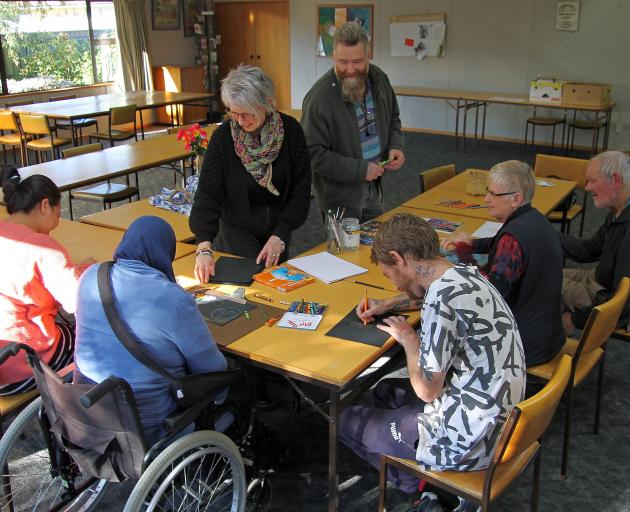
x: 134, y: 50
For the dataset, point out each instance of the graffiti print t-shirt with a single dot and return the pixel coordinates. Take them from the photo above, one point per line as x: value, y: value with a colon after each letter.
x: 469, y: 332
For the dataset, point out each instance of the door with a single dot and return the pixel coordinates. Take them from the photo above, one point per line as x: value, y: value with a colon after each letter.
x: 256, y: 33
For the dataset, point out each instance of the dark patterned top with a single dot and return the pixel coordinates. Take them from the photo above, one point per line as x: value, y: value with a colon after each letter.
x: 469, y: 332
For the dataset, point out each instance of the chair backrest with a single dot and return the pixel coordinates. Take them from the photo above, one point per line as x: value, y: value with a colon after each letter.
x: 529, y: 419
x: 17, y: 103
x: 60, y: 98
x: 562, y: 167
x: 603, y: 320
x: 122, y: 115
x: 432, y: 177
x: 8, y: 121
x: 106, y: 440
x: 35, y: 124
x: 81, y: 150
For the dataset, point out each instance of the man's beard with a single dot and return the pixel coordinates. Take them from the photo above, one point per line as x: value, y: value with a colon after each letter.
x: 353, y: 87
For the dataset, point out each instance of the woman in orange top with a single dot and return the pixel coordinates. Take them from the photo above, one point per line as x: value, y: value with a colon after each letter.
x: 37, y: 276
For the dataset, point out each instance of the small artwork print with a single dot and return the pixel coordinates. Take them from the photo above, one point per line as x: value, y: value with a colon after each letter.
x: 331, y: 17
x: 192, y: 16
x: 165, y: 14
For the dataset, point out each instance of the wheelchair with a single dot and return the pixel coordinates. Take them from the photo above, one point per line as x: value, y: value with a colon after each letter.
x: 65, y: 449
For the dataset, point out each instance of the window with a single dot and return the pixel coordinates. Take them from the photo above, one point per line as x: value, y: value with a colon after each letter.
x: 57, y: 44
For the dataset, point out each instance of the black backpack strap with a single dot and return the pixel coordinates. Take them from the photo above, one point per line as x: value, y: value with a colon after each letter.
x: 122, y: 332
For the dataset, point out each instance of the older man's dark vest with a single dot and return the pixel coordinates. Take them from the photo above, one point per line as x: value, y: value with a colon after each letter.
x: 535, y: 299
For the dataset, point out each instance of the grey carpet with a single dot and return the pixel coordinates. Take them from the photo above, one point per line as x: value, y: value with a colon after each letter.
x: 598, y: 465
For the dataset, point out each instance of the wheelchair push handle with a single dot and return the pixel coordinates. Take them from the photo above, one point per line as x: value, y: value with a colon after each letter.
x: 95, y: 394
x: 12, y: 349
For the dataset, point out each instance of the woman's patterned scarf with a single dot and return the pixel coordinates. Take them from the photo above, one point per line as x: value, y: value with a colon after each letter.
x: 257, y: 152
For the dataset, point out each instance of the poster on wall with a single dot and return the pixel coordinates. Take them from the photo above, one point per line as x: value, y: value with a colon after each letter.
x: 417, y: 36
x: 568, y: 15
x: 165, y: 14
x: 330, y: 17
x: 191, y: 12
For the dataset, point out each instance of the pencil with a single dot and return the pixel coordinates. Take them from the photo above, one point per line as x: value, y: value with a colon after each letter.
x: 365, y: 306
x: 368, y: 284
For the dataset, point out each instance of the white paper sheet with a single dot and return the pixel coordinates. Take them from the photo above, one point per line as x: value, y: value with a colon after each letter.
x: 487, y: 229
x: 326, y: 267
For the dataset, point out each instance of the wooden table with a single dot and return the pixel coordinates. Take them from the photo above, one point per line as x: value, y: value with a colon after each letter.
x: 99, y: 105
x: 83, y: 241
x: 545, y: 198
x: 310, y: 356
x: 91, y: 168
x: 121, y: 217
x: 463, y: 101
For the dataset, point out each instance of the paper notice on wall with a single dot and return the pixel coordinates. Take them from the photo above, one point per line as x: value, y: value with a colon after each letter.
x: 417, y: 39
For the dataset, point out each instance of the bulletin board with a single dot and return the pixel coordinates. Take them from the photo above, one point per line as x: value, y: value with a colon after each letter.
x: 418, y: 35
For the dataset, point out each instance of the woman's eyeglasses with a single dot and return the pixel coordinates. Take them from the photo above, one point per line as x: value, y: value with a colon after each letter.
x: 498, y: 194
x: 244, y: 116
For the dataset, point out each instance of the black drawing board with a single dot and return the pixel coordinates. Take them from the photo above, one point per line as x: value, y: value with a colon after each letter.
x: 221, y: 312
x: 351, y: 328
x: 230, y: 270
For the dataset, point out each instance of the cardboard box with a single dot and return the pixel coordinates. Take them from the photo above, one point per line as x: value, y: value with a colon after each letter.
x: 546, y: 90
x: 591, y: 95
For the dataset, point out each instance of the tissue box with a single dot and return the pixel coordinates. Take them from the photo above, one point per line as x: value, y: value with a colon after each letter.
x: 591, y: 95
x: 545, y: 89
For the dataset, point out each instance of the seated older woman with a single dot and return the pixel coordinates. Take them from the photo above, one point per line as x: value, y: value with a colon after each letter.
x: 255, y: 181
x: 163, y: 317
x: 524, y: 259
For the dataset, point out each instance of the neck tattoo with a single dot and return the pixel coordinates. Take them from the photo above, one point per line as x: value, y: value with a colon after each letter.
x: 424, y: 271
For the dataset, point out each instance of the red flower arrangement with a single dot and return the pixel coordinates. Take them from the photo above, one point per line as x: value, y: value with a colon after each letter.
x: 195, y: 139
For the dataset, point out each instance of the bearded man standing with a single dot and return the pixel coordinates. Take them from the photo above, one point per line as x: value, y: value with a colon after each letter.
x: 352, y: 124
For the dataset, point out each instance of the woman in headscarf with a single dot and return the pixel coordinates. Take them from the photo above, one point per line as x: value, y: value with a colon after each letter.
x: 161, y: 315
x: 255, y: 182
x: 37, y: 277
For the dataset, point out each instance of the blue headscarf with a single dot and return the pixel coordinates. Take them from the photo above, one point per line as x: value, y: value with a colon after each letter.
x: 150, y: 240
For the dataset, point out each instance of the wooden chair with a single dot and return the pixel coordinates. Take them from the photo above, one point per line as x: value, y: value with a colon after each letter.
x: 577, y: 124
x: 76, y: 126
x: 622, y: 334
x: 44, y: 139
x: 432, y: 177
x: 108, y: 192
x: 121, y: 117
x: 543, y: 121
x: 587, y: 352
x: 518, y: 444
x: 574, y: 169
x: 10, y: 104
x: 12, y: 139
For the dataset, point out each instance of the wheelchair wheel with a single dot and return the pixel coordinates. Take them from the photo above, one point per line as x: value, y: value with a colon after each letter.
x: 28, y: 485
x: 259, y: 494
x: 200, y: 471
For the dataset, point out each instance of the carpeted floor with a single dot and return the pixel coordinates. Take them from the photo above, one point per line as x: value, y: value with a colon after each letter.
x: 598, y: 465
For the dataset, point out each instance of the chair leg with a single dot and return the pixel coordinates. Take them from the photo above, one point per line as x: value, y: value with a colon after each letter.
x: 600, y: 386
x: 536, y: 483
x: 70, y: 204
x: 382, y: 486
x: 533, y: 135
x: 526, y: 132
x: 553, y: 137
x: 567, y: 433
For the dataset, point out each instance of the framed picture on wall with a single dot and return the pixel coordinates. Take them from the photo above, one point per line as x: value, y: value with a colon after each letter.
x: 191, y: 10
x: 330, y: 17
x: 165, y: 14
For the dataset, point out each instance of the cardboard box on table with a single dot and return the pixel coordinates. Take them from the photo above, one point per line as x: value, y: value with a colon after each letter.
x: 546, y: 90
x: 591, y: 95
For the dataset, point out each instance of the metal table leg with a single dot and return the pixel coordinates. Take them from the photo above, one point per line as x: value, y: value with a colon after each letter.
x: 333, y: 441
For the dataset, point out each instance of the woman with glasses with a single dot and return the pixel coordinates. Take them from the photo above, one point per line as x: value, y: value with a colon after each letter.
x: 524, y: 259
x: 255, y: 181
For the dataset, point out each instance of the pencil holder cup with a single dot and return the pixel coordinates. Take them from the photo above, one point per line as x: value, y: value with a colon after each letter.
x: 351, y: 235
x: 334, y: 236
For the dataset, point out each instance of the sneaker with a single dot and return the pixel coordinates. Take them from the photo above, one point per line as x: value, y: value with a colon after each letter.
x: 466, y: 506
x: 428, y: 502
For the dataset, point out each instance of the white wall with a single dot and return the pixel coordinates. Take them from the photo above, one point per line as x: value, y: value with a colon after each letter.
x: 491, y: 45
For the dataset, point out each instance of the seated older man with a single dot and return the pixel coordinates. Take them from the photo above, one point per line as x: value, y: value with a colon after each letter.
x: 608, y: 179
x: 524, y: 259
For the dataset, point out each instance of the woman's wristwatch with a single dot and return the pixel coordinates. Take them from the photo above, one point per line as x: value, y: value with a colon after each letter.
x: 204, y: 251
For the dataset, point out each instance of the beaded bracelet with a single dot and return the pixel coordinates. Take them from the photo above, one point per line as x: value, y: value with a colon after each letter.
x: 205, y: 251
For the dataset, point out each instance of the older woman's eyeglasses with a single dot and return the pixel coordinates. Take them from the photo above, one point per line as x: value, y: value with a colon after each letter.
x: 244, y: 116
x: 498, y: 194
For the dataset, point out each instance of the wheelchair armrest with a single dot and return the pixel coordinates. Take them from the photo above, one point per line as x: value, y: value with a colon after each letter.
x: 179, y: 418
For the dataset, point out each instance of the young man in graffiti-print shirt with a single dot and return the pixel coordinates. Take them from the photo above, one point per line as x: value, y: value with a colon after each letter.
x: 466, y: 365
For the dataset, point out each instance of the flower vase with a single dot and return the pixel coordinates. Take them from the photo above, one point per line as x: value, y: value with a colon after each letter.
x: 197, y: 161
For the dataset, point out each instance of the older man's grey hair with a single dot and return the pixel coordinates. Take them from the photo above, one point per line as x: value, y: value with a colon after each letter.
x: 350, y: 34
x: 249, y: 88
x: 614, y: 162
x: 516, y: 176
